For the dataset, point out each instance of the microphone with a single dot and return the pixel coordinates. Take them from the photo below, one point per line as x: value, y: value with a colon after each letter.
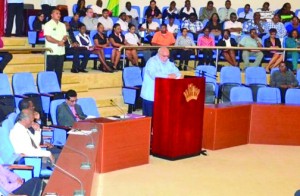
x: 119, y: 108
x: 80, y: 192
x: 90, y: 144
x: 84, y: 165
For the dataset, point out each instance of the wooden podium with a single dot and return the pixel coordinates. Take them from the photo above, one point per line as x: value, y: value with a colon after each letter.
x: 178, y: 117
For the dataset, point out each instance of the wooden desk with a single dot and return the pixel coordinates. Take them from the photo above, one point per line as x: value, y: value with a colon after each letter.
x: 225, y: 126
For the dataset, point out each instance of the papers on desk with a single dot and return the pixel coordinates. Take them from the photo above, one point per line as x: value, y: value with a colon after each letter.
x: 127, y: 116
x: 79, y: 132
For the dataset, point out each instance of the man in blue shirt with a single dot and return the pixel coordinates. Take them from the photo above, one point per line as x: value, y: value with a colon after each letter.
x: 157, y: 66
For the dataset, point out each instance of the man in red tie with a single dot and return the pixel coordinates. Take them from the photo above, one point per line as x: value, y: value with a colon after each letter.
x: 69, y: 112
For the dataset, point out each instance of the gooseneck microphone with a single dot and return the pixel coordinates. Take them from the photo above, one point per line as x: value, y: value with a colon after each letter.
x: 84, y: 165
x: 119, y: 108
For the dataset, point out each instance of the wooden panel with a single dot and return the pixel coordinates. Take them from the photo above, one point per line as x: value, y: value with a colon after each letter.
x: 275, y: 124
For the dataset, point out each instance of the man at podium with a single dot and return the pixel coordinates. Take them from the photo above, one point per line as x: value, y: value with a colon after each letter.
x: 157, y: 66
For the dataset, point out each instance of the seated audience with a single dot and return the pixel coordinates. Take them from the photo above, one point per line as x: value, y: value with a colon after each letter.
x: 148, y: 29
x: 206, y: 40
x: 283, y: 79
x: 277, y: 57
x: 133, y: 40
x: 106, y: 21
x: 73, y: 48
x: 12, y: 184
x: 69, y: 111
x: 235, y: 27
x: 89, y: 21
x: 256, y: 23
x: 252, y: 41
x: 276, y: 24
x: 38, y: 25
x: 246, y: 15
x: 293, y: 42
x: 153, y: 10
x: 132, y: 14
x: 171, y: 27
x: 6, y: 57
x: 214, y: 25
x: 285, y: 13
x: 193, y: 25
x: 117, y: 39
x: 171, y: 11
x: 185, y: 54
x: 265, y: 12
x: 101, y: 42
x: 208, y: 11
x: 226, y: 11
x: 295, y: 25
x: 163, y: 37
x: 81, y: 9
x: 187, y: 10
x: 75, y: 23
x: 97, y: 8
x: 123, y: 22
x: 228, y: 42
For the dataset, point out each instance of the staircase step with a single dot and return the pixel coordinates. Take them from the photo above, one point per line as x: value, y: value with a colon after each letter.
x: 22, y: 59
x: 76, y: 87
x: 111, y: 111
x: 69, y: 78
x: 15, y: 41
x: 34, y: 68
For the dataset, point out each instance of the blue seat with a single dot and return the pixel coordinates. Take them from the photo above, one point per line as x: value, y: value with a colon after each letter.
x: 6, y: 96
x: 59, y: 135
x: 33, y: 35
x: 273, y: 70
x: 114, y: 19
x: 255, y: 78
x: 298, y: 75
x: 89, y: 106
x: 132, y: 82
x: 176, y: 21
x: 67, y: 19
x: 268, y: 95
x: 292, y: 96
x: 138, y: 9
x: 240, y: 94
x: 74, y: 7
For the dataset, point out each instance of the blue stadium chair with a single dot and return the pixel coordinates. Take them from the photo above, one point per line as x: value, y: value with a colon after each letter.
x: 164, y: 8
x: 67, y: 19
x: 273, y: 70
x: 92, y: 34
x: 292, y: 96
x: 114, y: 19
x: 32, y: 35
x: 240, y: 10
x: 297, y: 13
x: 138, y: 9
x: 6, y: 96
x: 81, y: 19
x: 255, y: 78
x: 59, y: 135
x: 74, y: 8
x: 176, y: 21
x: 240, y: 94
x: 144, y: 12
x: 89, y: 106
x: 229, y: 77
x: 268, y: 95
x: 132, y: 82
x: 211, y: 86
x: 159, y: 21
x: 298, y: 75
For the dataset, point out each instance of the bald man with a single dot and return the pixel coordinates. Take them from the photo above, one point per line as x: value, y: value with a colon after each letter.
x: 157, y: 66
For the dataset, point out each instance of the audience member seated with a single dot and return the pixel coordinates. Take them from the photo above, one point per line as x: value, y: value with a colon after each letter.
x: 38, y: 25
x: 277, y: 57
x: 235, y: 27
x: 256, y: 23
x: 193, y: 25
x: 89, y: 21
x: 81, y: 9
x: 208, y: 11
x: 13, y: 184
x: 163, y: 37
x: 101, y: 42
x: 106, y: 20
x: 171, y: 11
x: 23, y: 141
x: 206, y: 40
x: 132, y: 14
x: 75, y: 23
x: 69, y: 111
x: 117, y: 39
x: 214, y: 25
x: 73, y: 48
x: 97, y: 8
x: 265, y: 12
x: 171, y: 27
x: 148, y: 29
x: 185, y: 54
x: 187, y: 10
x: 226, y: 11
x: 295, y: 25
x: 153, y: 10
x: 246, y: 15
x: 276, y: 24
x: 123, y: 22
x: 285, y: 13
x: 252, y: 41
x: 283, y: 79
x: 228, y: 42
x: 28, y: 104
x: 133, y: 40
x: 6, y: 57
x: 293, y: 42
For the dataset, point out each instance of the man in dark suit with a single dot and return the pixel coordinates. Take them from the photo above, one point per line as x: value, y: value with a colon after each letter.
x: 69, y: 112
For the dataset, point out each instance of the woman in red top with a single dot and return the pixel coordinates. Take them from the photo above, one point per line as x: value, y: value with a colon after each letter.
x: 206, y: 40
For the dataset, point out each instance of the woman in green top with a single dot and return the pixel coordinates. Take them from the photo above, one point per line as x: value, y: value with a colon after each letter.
x: 293, y: 42
x: 285, y: 13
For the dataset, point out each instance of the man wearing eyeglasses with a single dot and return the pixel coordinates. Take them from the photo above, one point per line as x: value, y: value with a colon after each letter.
x: 69, y: 112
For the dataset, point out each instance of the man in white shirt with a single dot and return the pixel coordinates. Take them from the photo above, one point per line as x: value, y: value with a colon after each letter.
x: 14, y: 9
x: 89, y: 21
x: 97, y: 9
x: 172, y: 28
x: 233, y: 25
x: 106, y: 20
x: 122, y: 21
x: 133, y: 16
x: 246, y: 15
x: 23, y: 141
x: 224, y: 13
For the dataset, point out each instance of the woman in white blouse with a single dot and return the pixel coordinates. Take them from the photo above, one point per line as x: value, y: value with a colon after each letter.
x: 133, y: 40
